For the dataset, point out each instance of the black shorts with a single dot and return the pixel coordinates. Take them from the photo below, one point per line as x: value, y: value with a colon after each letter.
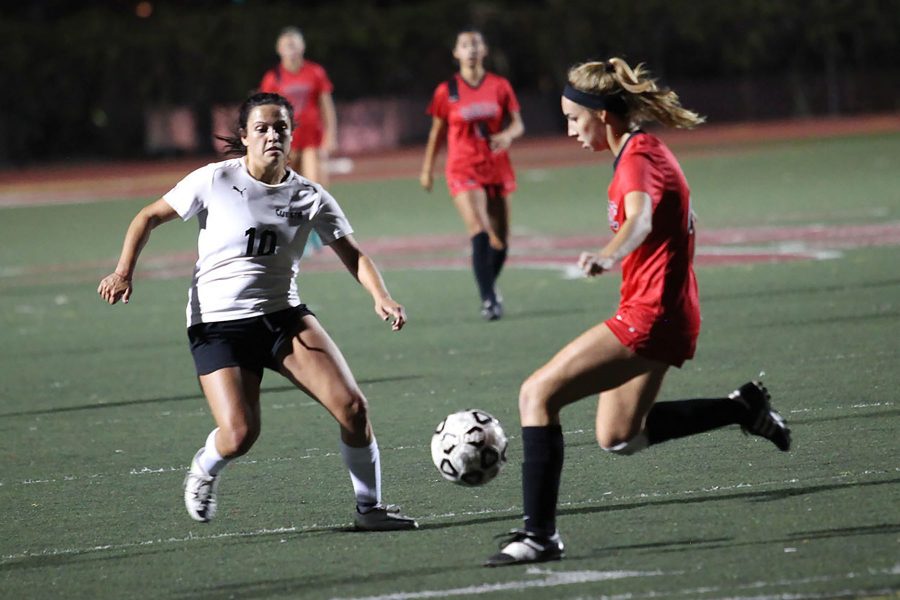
x: 253, y: 343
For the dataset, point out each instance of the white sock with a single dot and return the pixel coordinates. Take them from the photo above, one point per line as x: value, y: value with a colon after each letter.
x: 210, y: 461
x: 364, y: 465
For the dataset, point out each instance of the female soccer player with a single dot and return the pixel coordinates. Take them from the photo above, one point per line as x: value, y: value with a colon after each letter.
x: 244, y: 312
x: 479, y: 114
x: 306, y: 85
x: 625, y: 358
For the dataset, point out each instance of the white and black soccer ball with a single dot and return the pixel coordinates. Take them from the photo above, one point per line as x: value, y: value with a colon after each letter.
x: 469, y: 447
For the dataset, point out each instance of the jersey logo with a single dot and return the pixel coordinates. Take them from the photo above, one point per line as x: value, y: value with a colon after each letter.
x: 240, y: 191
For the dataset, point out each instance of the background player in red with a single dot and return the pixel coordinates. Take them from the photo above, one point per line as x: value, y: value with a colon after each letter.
x: 625, y: 358
x: 306, y: 85
x: 477, y: 111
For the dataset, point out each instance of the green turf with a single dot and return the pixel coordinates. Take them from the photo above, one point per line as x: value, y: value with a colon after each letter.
x: 100, y: 412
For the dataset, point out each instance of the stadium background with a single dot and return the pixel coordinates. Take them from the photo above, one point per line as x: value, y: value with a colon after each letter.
x: 127, y: 78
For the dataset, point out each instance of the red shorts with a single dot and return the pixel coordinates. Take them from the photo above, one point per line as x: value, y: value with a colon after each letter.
x: 653, y: 340
x: 458, y: 182
x: 497, y: 177
x: 307, y: 136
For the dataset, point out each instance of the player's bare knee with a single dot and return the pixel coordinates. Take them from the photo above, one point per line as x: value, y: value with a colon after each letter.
x: 354, y: 415
x: 625, y: 445
x: 236, y: 440
x: 533, y: 397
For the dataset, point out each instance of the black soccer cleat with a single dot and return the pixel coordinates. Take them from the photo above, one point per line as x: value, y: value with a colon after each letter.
x: 491, y: 310
x: 762, y: 419
x: 522, y: 547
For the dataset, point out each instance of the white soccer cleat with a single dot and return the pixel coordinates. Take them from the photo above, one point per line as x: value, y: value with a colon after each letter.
x: 200, y: 493
x: 522, y: 547
x: 384, y: 517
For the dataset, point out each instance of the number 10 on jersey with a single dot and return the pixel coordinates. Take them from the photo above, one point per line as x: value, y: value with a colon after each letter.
x: 267, y: 242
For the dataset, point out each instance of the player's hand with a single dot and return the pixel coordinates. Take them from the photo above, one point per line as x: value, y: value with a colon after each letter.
x: 500, y: 141
x: 389, y: 309
x: 426, y: 180
x: 495, y: 242
x: 114, y: 287
x: 592, y: 264
x: 330, y: 146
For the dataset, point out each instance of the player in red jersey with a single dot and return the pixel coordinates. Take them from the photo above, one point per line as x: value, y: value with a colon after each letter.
x: 625, y: 358
x: 306, y: 85
x: 477, y: 111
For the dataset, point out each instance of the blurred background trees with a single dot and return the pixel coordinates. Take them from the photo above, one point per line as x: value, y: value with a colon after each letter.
x: 79, y: 79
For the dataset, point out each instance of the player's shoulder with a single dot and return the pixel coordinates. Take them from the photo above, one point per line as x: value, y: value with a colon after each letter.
x: 496, y: 80
x: 313, y: 66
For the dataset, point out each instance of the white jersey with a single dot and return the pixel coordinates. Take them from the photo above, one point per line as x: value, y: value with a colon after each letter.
x: 251, y: 238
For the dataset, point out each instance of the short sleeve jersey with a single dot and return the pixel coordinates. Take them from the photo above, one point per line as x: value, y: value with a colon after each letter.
x: 251, y: 238
x: 658, y: 282
x: 472, y: 116
x: 302, y: 88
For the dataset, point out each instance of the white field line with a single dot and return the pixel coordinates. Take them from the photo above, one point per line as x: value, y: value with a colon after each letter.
x: 511, y: 510
x: 552, y: 579
x: 315, y: 453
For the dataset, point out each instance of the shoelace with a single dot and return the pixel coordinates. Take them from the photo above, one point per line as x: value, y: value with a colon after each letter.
x: 513, y: 535
x: 203, y: 490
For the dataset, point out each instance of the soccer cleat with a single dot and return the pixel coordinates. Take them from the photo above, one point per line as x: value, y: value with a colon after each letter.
x: 491, y: 310
x: 200, y: 492
x: 384, y: 517
x: 762, y: 419
x: 521, y: 547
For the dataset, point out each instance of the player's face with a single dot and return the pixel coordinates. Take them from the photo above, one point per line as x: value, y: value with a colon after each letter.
x: 291, y: 47
x: 585, y: 125
x: 268, y: 134
x: 470, y: 49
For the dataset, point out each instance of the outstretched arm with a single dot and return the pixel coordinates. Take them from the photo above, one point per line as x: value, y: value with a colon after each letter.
x: 364, y: 270
x: 435, y: 137
x: 117, y: 285
x: 638, y: 225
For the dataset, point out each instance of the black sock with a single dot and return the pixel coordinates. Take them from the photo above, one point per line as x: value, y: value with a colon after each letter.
x: 541, y: 468
x: 498, y: 258
x: 481, y: 265
x: 680, y: 418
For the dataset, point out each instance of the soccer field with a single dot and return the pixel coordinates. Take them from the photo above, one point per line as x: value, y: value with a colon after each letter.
x: 797, y: 265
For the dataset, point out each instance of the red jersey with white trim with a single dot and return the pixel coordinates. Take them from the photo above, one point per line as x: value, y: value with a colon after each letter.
x: 475, y: 114
x: 658, y: 283
x: 302, y: 88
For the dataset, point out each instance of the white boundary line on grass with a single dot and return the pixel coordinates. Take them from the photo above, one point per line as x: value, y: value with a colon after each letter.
x: 560, y: 578
x: 512, y: 510
x: 550, y: 579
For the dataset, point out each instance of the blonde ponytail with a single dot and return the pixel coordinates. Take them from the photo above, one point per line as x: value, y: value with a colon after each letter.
x: 644, y: 99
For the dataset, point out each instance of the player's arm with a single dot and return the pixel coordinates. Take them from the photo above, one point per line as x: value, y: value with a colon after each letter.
x: 503, y: 139
x: 329, y: 121
x: 637, y: 226
x: 117, y: 285
x: 435, y: 138
x: 364, y: 270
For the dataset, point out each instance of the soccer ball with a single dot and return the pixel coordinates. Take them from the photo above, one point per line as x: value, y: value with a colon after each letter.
x: 469, y: 447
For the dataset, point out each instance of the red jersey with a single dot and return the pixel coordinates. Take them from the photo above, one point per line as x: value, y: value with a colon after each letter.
x: 302, y: 88
x: 659, y: 289
x: 472, y: 116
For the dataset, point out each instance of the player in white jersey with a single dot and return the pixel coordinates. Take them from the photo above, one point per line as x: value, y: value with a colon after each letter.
x: 244, y: 311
